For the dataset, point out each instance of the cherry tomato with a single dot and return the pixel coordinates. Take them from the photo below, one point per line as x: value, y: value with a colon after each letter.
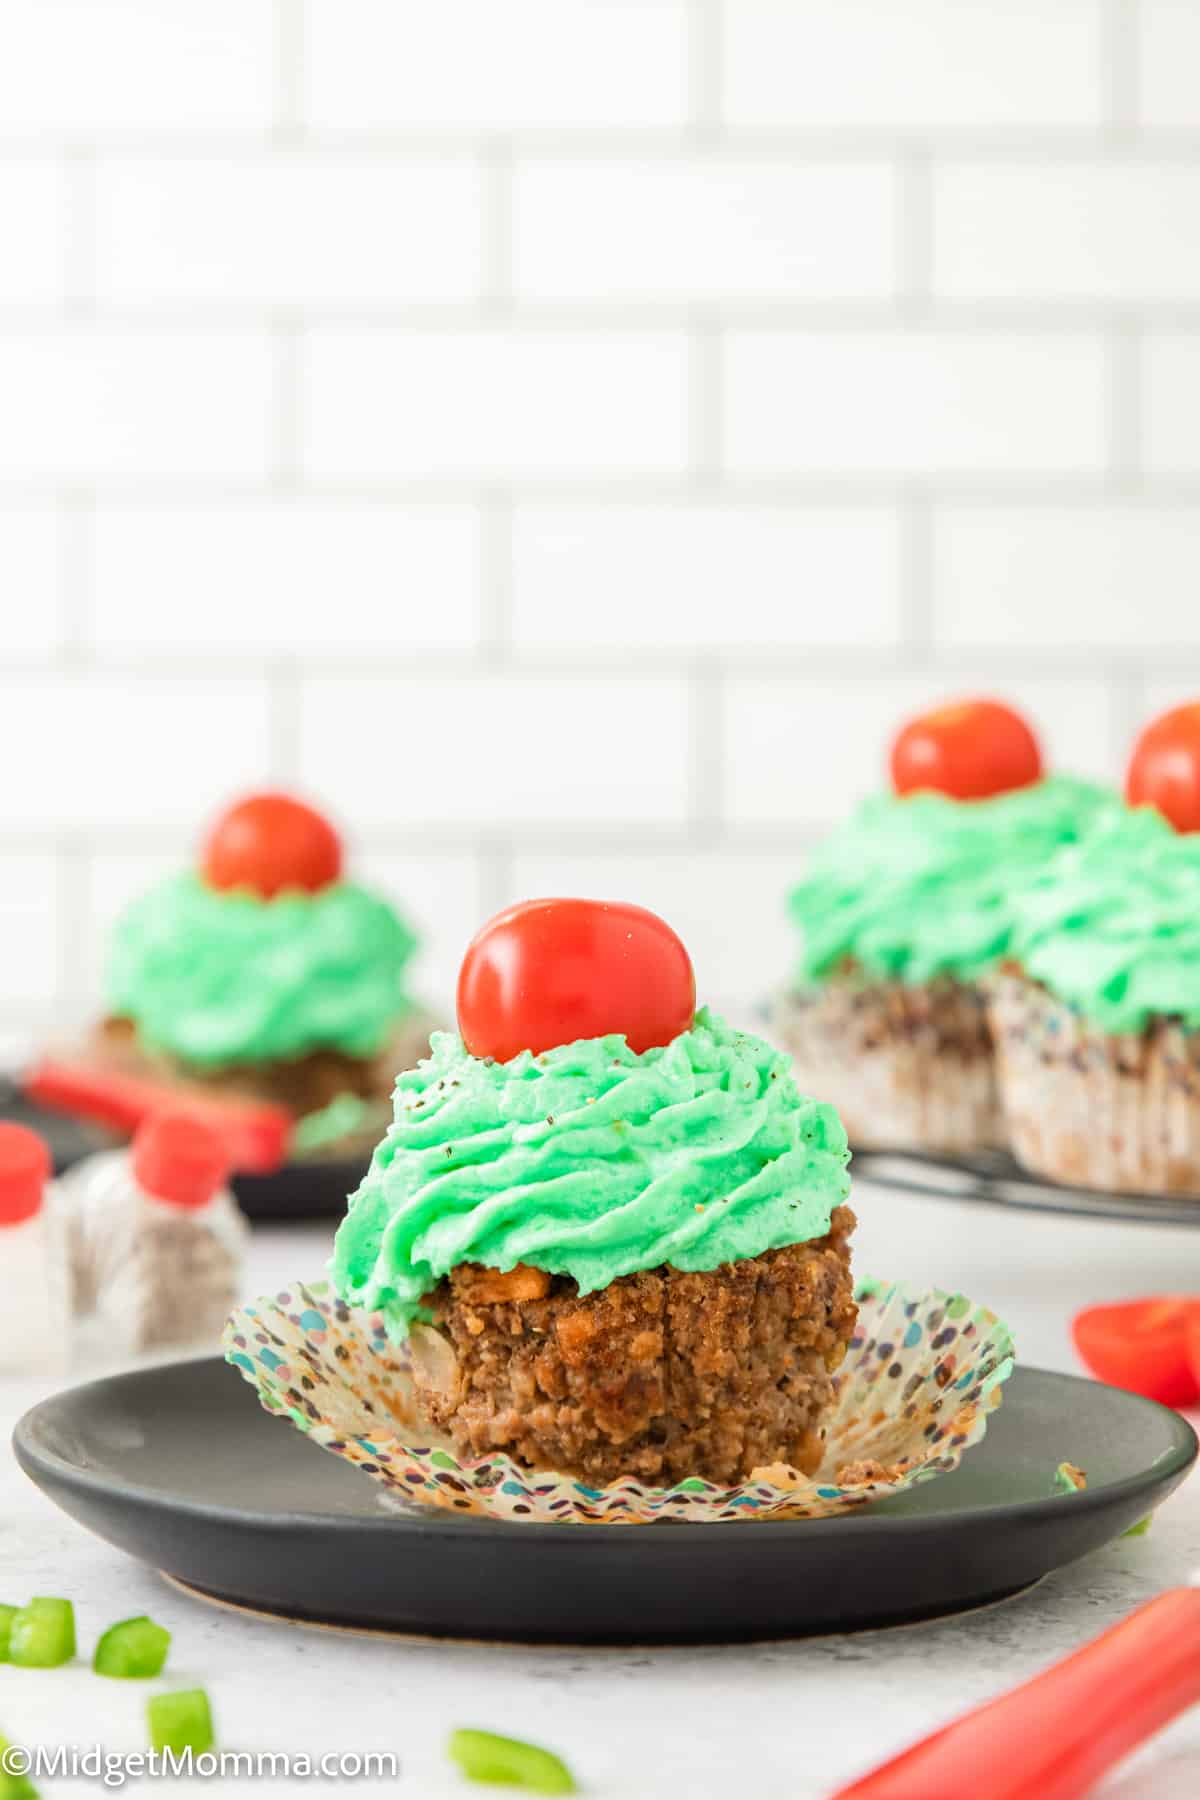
x: 549, y: 971
x: 967, y: 749
x: 1164, y: 770
x: 1142, y: 1345
x: 270, y: 842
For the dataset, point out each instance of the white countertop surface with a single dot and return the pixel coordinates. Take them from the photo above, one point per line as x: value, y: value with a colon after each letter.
x: 788, y: 1719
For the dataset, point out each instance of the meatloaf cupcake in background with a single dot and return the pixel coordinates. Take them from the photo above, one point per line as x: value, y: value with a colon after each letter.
x: 1097, y: 1013
x: 265, y: 972
x: 610, y: 1227
x: 904, y: 910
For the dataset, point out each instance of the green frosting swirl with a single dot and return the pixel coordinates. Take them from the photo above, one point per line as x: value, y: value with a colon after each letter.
x: 589, y: 1161
x: 1114, y: 927
x: 227, y: 977
x: 919, y: 886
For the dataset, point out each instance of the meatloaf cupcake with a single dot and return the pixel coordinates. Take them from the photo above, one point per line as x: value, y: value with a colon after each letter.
x: 265, y: 972
x: 1097, y: 1015
x: 612, y: 1230
x: 901, y: 914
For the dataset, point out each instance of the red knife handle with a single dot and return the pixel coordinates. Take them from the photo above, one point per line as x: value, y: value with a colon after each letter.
x: 1055, y: 1736
x: 255, y: 1134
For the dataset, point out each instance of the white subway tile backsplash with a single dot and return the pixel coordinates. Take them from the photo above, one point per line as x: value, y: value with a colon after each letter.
x: 1166, y: 61
x: 716, y: 577
x: 799, y: 753
x: 922, y: 65
x: 486, y: 403
x: 488, y: 752
x: 79, y: 66
x: 474, y: 65
x: 678, y: 228
x: 1112, y: 230
x: 441, y: 893
x: 33, y: 231
x: 99, y: 751
x: 92, y: 403
x: 286, y: 577
x: 1170, y: 371
x: 30, y: 919
x: 566, y: 437
x: 1124, y: 578
x: 727, y: 908
x: 31, y: 576
x: 288, y: 228
x: 1157, y: 696
x: 914, y: 402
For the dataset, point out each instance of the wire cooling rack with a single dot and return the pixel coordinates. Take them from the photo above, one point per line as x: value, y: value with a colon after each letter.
x: 993, y: 1178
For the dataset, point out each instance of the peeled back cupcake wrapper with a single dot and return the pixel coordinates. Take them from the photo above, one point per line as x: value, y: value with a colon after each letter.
x: 923, y: 1371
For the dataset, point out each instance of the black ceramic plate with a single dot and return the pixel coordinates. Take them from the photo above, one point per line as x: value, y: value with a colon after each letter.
x: 300, y: 1190
x: 274, y: 1522
x: 68, y: 1139
x: 994, y: 1178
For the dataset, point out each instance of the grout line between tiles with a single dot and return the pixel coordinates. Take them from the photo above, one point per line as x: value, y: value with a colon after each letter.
x: 496, y: 576
x: 496, y: 859
x: 914, y: 226
x: 496, y: 299
x: 705, y: 752
x: 811, y: 143
x: 283, y: 683
x: 1119, y: 50
x: 655, y: 664
x: 288, y: 129
x: 917, y: 597
x: 287, y: 435
x: 76, y: 585
x: 80, y: 266
x: 705, y: 62
x: 705, y: 402
x: 1125, y: 405
x: 72, y: 869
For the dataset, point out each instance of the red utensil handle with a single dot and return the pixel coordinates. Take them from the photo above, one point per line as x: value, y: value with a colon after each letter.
x: 256, y: 1135
x: 1053, y: 1737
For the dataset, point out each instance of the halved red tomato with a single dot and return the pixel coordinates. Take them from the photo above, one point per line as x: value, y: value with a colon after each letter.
x: 1147, y: 1346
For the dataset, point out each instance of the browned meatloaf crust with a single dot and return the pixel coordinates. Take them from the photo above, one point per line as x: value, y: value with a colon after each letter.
x: 303, y: 1085
x: 661, y: 1375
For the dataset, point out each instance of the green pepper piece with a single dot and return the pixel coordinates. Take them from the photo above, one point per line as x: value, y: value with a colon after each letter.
x: 132, y: 1649
x: 7, y: 1615
x: 42, y: 1634
x: 1140, y: 1529
x: 14, y: 1787
x: 181, y: 1721
x: 482, y: 1756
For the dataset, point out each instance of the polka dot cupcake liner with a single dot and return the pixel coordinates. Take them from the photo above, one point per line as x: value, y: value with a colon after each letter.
x: 923, y: 1371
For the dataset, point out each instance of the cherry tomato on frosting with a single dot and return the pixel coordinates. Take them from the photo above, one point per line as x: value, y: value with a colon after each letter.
x: 549, y: 971
x: 1164, y: 770
x: 968, y: 749
x: 270, y: 842
x: 1142, y: 1345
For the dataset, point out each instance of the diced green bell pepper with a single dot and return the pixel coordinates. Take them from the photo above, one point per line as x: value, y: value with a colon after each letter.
x: 482, y: 1756
x: 181, y: 1721
x: 42, y: 1634
x: 132, y: 1649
